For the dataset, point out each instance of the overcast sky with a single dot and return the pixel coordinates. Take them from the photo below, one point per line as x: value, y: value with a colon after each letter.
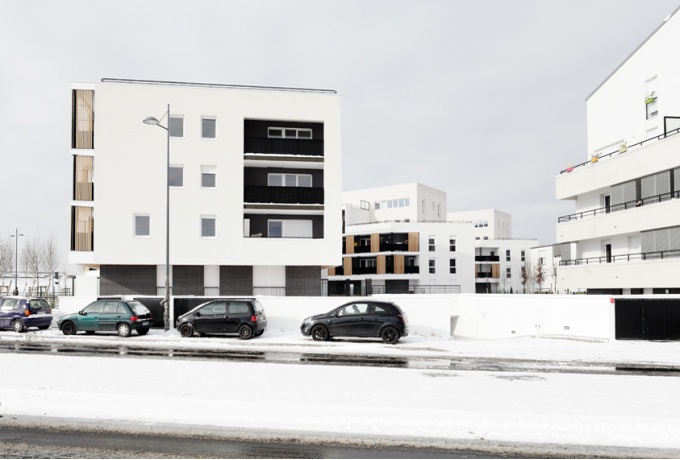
x: 484, y: 99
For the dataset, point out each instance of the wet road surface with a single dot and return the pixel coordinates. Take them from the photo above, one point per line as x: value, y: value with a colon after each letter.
x: 287, y: 357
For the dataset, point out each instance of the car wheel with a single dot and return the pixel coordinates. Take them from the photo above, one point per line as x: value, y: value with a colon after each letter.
x: 17, y: 325
x: 320, y: 332
x: 124, y: 330
x: 390, y: 334
x: 186, y: 330
x: 68, y: 328
x: 143, y: 331
x: 245, y: 332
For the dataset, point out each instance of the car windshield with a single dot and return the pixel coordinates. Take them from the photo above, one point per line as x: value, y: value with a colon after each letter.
x: 139, y: 308
x: 259, y: 309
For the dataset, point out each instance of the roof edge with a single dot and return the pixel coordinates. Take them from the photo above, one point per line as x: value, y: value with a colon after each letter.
x: 217, y: 85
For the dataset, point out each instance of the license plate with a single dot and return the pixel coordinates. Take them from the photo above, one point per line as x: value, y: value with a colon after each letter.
x: 145, y: 323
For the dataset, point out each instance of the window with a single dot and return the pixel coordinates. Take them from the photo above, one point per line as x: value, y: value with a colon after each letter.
x: 275, y: 229
x: 452, y: 266
x: 452, y: 245
x: 430, y: 244
x: 523, y: 256
x: 289, y: 133
x: 289, y: 180
x: 238, y: 307
x: 208, y: 176
x: 176, y: 126
x: 176, y: 176
x: 142, y: 225
x: 367, y: 263
x: 508, y: 272
x: 389, y: 204
x: 432, y: 269
x: 208, y: 227
x: 208, y: 128
x: 364, y: 205
x: 507, y: 255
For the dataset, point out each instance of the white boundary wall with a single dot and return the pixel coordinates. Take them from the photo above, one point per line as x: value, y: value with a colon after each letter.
x: 474, y: 316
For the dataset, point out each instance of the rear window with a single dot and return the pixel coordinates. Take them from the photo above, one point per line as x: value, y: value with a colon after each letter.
x: 39, y: 304
x: 139, y: 308
x: 237, y: 308
x: 259, y: 309
x: 9, y: 305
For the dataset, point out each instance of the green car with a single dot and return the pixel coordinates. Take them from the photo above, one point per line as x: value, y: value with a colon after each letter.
x: 123, y: 316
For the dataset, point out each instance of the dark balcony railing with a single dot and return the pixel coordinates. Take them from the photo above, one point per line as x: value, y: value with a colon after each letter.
x: 362, y: 248
x: 393, y: 247
x: 412, y: 269
x: 487, y: 258
x: 486, y: 275
x: 620, y: 206
x: 305, y: 147
x: 656, y: 255
x: 283, y: 195
x: 364, y: 270
x: 667, y: 133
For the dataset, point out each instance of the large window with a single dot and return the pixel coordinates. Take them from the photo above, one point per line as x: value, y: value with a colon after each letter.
x: 289, y: 133
x: 176, y: 126
x: 208, y: 128
x: 290, y: 228
x: 395, y: 203
x: 142, y: 225
x: 176, y: 176
x: 289, y: 180
x: 208, y: 176
x: 208, y: 226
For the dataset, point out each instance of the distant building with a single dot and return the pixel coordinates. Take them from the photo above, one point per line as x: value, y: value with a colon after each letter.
x: 499, y: 258
x: 624, y: 236
x: 254, y: 179
x: 400, y: 239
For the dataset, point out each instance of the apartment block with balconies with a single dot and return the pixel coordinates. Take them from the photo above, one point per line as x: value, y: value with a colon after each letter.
x: 624, y: 236
x: 253, y: 181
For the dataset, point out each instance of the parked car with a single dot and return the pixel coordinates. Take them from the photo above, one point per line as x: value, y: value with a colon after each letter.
x: 243, y: 316
x: 359, y: 319
x: 122, y: 316
x: 20, y: 313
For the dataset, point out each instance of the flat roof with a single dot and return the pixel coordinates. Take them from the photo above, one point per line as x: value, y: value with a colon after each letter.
x: 217, y: 85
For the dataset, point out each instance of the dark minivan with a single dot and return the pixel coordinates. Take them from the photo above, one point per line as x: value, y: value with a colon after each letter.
x: 359, y: 319
x: 242, y: 316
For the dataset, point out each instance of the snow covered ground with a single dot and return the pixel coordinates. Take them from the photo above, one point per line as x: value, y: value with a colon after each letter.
x: 356, y: 402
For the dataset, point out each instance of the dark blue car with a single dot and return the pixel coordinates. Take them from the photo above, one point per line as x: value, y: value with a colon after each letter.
x: 20, y: 313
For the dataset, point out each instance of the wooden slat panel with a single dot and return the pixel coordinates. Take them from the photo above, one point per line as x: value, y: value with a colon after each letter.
x: 380, y: 264
x: 375, y: 242
x: 413, y: 242
x: 331, y: 271
x: 349, y: 244
x: 399, y: 264
x: 347, y: 265
x: 84, y: 119
x: 495, y: 270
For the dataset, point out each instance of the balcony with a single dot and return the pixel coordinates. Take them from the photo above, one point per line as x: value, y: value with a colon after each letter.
x: 283, y: 195
x: 619, y: 207
x: 297, y: 147
x: 487, y: 258
x: 656, y: 255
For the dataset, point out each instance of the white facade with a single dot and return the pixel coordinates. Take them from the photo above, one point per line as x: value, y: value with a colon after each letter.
x: 490, y: 224
x: 625, y: 234
x: 214, y: 222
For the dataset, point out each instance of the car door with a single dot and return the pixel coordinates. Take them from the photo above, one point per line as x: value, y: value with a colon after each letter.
x: 348, y: 320
x: 239, y: 312
x: 211, y: 318
x: 7, y: 312
x: 88, y: 318
x: 374, y: 320
x: 110, y: 316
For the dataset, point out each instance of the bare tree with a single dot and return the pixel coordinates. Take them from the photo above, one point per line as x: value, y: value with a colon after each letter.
x: 50, y: 258
x: 539, y: 274
x: 524, y: 277
x: 31, y: 258
x: 6, y: 258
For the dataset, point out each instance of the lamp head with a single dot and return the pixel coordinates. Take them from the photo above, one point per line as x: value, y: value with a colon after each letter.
x: 152, y: 121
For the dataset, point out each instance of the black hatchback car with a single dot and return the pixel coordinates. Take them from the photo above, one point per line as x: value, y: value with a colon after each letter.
x: 244, y: 317
x: 359, y: 319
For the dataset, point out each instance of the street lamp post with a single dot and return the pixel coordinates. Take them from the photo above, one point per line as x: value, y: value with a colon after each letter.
x: 166, y: 301
x: 16, y: 260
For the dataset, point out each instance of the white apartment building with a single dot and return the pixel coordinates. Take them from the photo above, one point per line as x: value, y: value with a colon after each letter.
x: 624, y: 236
x: 499, y: 258
x: 400, y: 239
x: 253, y: 176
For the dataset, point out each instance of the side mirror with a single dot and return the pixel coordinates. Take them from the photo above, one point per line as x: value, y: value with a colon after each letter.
x: 198, y: 313
x: 82, y: 312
